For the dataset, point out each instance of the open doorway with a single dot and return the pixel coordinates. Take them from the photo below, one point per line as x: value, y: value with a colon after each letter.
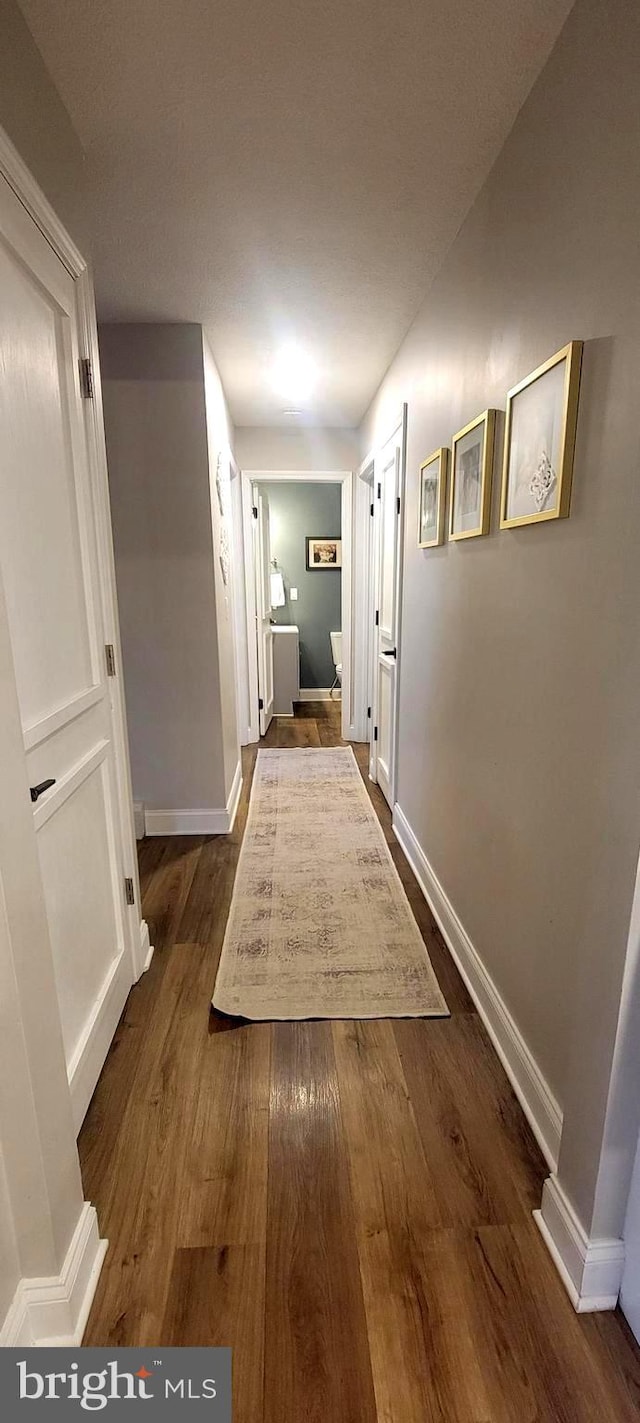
x: 298, y: 580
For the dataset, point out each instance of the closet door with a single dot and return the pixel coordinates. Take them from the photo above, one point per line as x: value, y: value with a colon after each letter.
x: 49, y: 570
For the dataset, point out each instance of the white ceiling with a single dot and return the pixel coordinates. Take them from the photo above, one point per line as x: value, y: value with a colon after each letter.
x: 287, y: 171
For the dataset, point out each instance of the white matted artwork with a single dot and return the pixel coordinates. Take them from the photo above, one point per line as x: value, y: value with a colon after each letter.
x: 323, y: 553
x: 540, y: 435
x: 471, y: 470
x: 431, y: 496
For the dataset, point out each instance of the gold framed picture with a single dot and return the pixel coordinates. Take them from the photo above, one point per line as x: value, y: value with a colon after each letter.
x: 539, y: 441
x: 431, y: 499
x: 471, y: 471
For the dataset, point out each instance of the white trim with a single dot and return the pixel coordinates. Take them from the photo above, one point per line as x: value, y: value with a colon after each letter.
x: 250, y: 607
x: 533, y: 1092
x: 233, y: 800
x: 363, y: 605
x: 97, y: 457
x: 38, y: 206
x: 91, y: 1050
x: 138, y: 819
x: 55, y: 1310
x: 316, y: 694
x: 297, y: 476
x: 590, y: 1269
x: 203, y: 821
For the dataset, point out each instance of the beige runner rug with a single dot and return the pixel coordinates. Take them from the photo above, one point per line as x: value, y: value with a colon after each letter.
x: 320, y: 925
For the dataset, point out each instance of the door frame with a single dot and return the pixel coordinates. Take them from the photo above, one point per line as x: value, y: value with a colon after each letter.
x: 350, y: 709
x: 262, y: 582
x: 366, y: 476
x: 20, y: 179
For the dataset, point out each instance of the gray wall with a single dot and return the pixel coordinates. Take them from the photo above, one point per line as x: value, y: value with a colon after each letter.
x: 37, y: 122
x: 520, y: 695
x: 301, y: 448
x: 298, y: 510
x: 156, y: 428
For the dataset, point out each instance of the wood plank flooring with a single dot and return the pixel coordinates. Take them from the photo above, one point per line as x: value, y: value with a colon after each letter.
x: 347, y: 1204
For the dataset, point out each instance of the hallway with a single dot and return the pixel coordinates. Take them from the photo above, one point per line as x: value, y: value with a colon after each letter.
x: 348, y: 1205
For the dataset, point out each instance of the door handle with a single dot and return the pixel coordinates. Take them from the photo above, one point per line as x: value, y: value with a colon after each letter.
x: 392, y: 653
x: 35, y: 791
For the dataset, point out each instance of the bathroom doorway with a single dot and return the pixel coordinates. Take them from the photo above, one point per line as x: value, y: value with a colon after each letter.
x: 298, y: 578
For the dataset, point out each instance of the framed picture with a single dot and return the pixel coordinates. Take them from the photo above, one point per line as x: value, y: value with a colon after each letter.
x: 471, y: 470
x: 324, y: 553
x: 432, y: 494
x: 539, y: 441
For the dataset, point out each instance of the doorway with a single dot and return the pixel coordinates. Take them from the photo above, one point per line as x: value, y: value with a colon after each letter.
x: 385, y: 472
x: 297, y: 593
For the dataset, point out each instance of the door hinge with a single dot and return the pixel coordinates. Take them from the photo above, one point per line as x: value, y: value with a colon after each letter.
x: 398, y: 503
x: 379, y: 491
x: 368, y: 712
x: 254, y: 511
x: 375, y: 733
x: 86, y: 378
x: 129, y: 892
x: 377, y: 618
x: 110, y: 659
x: 260, y: 704
x: 371, y: 508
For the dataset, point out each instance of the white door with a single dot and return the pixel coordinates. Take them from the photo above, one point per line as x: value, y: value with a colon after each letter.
x: 263, y: 607
x: 388, y: 487
x: 49, y: 569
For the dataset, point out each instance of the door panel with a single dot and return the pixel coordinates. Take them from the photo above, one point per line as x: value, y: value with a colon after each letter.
x: 49, y: 670
x: 385, y: 726
x: 82, y: 909
x: 263, y: 608
x: 388, y: 480
x: 49, y: 568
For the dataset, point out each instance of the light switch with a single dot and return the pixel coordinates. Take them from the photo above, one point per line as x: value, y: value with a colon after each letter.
x: 293, y: 594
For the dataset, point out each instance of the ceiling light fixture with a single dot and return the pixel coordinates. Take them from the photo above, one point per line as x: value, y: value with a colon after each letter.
x: 294, y: 373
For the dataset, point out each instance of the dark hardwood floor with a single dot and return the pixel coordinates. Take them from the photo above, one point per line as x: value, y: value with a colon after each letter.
x: 347, y: 1204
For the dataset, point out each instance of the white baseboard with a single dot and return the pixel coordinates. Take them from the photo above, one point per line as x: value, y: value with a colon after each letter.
x: 55, y: 1310
x: 196, y: 822
x: 138, y: 819
x: 86, y: 1064
x: 533, y: 1092
x: 591, y: 1270
x: 318, y: 694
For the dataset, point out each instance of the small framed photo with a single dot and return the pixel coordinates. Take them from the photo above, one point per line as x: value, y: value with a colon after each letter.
x: 324, y: 553
x: 539, y: 441
x: 432, y: 494
x: 471, y: 470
